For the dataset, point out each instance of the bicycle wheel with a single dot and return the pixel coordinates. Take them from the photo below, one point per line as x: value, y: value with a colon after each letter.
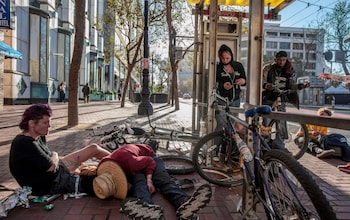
x: 287, y: 136
x: 204, y: 157
x: 178, y: 164
x: 289, y: 190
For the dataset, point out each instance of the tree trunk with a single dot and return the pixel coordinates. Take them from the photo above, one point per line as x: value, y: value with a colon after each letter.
x: 172, y: 40
x: 76, y: 61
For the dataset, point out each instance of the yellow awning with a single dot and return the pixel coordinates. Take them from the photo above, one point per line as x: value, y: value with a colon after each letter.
x: 272, y: 3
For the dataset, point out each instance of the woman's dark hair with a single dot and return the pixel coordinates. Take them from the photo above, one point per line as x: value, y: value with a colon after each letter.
x: 34, y: 112
x: 225, y: 48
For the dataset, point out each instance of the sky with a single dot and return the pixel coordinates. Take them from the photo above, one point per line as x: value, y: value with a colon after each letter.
x: 301, y: 12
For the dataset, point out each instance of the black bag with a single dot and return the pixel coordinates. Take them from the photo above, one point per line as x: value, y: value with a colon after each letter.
x: 338, y: 143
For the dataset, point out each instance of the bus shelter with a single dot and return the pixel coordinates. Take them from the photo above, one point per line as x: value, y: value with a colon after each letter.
x: 211, y: 32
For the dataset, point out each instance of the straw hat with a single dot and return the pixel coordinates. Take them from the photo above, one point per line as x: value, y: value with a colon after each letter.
x: 110, y: 181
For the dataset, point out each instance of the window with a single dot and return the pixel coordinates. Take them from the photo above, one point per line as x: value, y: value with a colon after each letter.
x: 310, y: 66
x: 310, y: 46
x: 299, y: 35
x: 43, y: 50
x: 271, y: 34
x: 298, y: 55
x: 312, y: 56
x: 270, y: 53
x: 284, y: 34
x: 311, y: 36
x: 284, y: 45
x: 271, y: 45
x: 34, y: 47
x: 298, y: 46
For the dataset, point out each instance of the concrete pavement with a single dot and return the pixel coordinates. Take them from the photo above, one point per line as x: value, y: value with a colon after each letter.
x: 334, y: 183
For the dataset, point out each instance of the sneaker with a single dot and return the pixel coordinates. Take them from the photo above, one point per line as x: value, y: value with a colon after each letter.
x: 325, y: 153
x: 137, y: 209
x: 199, y: 199
x: 344, y: 168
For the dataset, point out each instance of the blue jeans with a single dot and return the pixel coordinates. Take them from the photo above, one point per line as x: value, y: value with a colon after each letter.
x: 220, y: 115
x: 282, y: 134
x: 221, y: 122
x: 162, y: 181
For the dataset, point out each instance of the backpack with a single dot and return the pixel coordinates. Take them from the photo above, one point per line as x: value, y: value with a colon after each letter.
x: 337, y: 142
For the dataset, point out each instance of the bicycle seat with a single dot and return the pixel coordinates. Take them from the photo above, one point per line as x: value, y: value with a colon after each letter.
x: 138, y: 131
x: 263, y: 109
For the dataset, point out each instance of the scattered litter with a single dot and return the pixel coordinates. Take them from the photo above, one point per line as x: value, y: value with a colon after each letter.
x: 18, y: 198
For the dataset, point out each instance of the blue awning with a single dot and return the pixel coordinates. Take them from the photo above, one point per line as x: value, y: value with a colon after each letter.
x: 9, y: 52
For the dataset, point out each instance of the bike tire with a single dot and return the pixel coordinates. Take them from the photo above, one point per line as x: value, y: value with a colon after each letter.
x: 292, y: 127
x: 178, y: 164
x: 279, y: 167
x: 202, y: 158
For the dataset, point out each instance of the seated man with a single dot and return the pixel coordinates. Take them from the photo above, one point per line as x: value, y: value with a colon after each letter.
x: 315, y: 134
x: 146, y: 172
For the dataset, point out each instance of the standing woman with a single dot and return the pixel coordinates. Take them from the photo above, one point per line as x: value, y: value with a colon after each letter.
x: 230, y: 76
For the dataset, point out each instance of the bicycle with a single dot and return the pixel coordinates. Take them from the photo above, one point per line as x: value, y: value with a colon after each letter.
x: 226, y: 171
x: 177, y: 161
x: 281, y: 132
x: 270, y: 176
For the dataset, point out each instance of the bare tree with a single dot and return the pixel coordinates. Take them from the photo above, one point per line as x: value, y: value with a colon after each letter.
x: 76, y: 61
x: 336, y: 24
x: 170, y: 4
x: 129, y: 29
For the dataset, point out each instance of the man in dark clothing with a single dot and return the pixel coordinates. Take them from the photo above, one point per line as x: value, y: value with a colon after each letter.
x: 146, y: 172
x: 278, y: 84
x: 86, y: 92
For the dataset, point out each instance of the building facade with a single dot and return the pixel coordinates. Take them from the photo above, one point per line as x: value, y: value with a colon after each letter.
x: 304, y: 47
x: 43, y: 31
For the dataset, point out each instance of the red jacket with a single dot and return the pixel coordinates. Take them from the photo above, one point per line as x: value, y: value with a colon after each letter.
x: 133, y: 158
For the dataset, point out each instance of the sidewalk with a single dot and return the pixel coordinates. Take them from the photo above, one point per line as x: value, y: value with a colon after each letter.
x: 335, y: 184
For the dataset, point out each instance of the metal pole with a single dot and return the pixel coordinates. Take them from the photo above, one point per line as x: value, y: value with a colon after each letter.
x: 145, y: 107
x: 152, y: 83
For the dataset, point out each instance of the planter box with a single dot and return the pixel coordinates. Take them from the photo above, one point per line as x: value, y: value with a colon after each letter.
x: 95, y: 97
x: 159, y: 97
x: 109, y: 97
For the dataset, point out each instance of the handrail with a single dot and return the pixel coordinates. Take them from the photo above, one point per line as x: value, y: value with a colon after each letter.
x: 333, y: 122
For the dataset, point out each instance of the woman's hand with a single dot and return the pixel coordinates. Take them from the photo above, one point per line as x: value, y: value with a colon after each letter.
x: 240, y: 81
x: 55, y: 160
x: 228, y: 86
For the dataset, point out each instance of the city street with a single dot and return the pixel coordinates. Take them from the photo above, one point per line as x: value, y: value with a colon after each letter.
x: 333, y: 182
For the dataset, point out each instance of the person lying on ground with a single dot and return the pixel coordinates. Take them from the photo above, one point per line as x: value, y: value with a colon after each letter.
x: 316, y: 132
x: 146, y: 173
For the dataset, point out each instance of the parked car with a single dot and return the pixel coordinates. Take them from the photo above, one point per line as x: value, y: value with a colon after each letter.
x: 186, y: 96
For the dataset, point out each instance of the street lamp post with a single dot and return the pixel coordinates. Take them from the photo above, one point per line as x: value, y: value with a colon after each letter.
x: 145, y: 107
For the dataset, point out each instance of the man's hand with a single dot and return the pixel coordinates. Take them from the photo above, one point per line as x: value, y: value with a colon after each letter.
x: 268, y: 86
x: 150, y: 186
x: 306, y: 84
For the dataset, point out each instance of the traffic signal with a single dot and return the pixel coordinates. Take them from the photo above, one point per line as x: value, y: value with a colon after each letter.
x: 339, y: 56
x: 328, y: 55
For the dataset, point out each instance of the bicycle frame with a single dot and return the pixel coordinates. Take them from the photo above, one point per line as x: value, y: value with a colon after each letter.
x: 253, y: 185
x: 251, y: 175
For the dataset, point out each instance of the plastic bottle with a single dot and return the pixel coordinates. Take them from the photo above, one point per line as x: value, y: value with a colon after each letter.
x: 243, y: 148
